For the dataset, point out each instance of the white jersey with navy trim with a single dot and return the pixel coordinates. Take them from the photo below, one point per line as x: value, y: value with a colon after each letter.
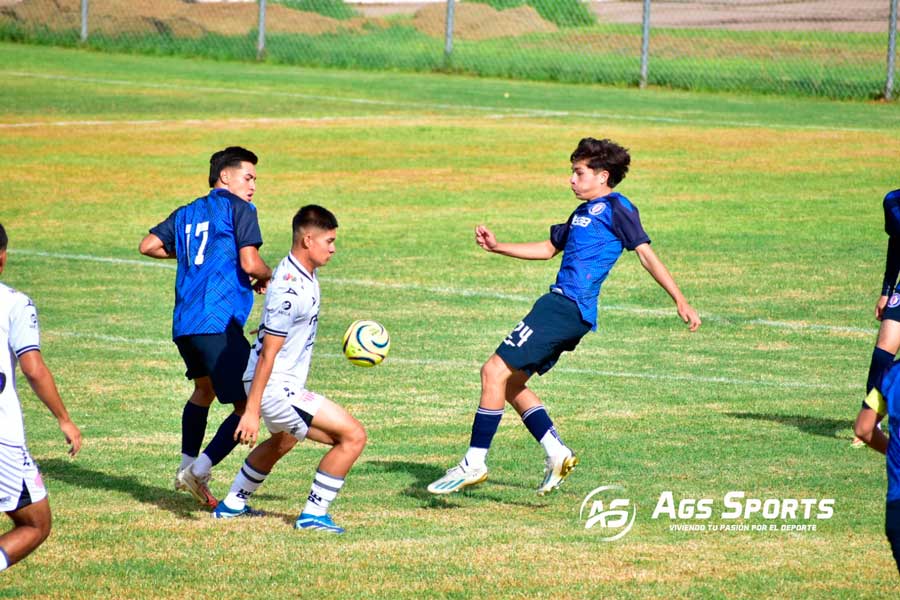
x: 19, y: 333
x: 291, y: 311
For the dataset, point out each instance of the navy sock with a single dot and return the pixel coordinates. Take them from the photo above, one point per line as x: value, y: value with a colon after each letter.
x: 881, y: 362
x: 223, y: 442
x: 193, y: 428
x: 537, y: 421
x: 484, y: 427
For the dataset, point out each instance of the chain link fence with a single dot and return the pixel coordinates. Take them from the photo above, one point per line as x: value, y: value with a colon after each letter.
x: 829, y: 48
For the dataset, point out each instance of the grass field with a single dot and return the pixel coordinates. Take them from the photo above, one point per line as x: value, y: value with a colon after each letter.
x: 766, y: 210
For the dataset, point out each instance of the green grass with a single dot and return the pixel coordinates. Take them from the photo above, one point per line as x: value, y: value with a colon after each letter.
x: 335, y: 9
x: 809, y: 64
x: 565, y: 13
x: 767, y: 211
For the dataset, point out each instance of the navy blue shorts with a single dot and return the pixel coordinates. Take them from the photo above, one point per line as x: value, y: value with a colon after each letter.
x: 220, y: 356
x: 552, y: 327
x: 892, y: 308
x: 892, y: 528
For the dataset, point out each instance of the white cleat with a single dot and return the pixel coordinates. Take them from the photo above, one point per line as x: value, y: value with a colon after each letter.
x: 457, y: 478
x: 557, y: 469
x: 198, y: 486
x: 180, y: 487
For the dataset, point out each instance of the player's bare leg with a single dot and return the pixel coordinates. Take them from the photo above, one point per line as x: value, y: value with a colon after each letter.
x: 31, y: 526
x: 331, y: 425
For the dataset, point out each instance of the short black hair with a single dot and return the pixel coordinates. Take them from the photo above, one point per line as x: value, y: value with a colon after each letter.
x: 4, y: 241
x: 232, y: 156
x: 313, y: 215
x: 603, y: 155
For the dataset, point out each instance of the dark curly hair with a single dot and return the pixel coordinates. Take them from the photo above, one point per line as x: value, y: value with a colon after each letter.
x: 603, y: 155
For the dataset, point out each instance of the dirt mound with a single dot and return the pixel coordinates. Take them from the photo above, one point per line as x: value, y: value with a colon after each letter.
x: 173, y: 17
x: 474, y: 21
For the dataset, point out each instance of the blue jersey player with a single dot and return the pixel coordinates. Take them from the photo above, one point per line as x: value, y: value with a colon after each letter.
x: 591, y: 240
x: 884, y: 400
x: 216, y: 240
x: 887, y: 310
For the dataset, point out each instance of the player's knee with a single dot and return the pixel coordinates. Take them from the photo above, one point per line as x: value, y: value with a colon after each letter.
x: 494, y: 372
x: 356, y: 438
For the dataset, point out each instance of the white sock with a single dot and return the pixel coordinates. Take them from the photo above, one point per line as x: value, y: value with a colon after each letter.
x: 475, y: 457
x: 186, y: 461
x: 245, y: 483
x: 552, y: 445
x: 201, y: 466
x: 4, y: 560
x: 324, y: 490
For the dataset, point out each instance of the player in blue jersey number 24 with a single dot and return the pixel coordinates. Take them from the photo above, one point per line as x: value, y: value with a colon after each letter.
x: 591, y: 241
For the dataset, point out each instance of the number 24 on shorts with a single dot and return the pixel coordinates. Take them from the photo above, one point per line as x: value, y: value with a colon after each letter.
x: 523, y: 331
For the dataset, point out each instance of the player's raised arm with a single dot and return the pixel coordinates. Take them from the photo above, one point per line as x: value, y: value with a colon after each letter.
x: 661, y: 274
x: 544, y: 250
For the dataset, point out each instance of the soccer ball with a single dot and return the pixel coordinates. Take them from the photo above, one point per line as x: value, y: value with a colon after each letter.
x: 366, y: 343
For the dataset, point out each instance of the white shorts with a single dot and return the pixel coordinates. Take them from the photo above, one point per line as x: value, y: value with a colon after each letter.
x: 288, y: 409
x: 17, y: 473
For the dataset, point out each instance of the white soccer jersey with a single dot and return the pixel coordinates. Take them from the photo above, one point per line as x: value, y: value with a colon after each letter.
x: 291, y: 311
x: 19, y: 333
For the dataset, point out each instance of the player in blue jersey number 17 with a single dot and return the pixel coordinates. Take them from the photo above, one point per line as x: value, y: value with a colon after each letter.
x: 215, y: 240
x: 591, y: 240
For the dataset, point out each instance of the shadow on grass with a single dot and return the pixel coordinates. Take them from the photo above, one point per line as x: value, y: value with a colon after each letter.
x: 828, y: 428
x: 180, y: 504
x: 425, y: 473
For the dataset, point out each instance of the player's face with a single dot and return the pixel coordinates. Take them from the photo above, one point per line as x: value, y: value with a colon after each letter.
x: 586, y: 183
x: 240, y: 180
x: 321, y: 245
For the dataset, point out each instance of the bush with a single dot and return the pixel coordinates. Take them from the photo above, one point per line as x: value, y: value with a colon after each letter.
x: 335, y: 9
x: 565, y: 13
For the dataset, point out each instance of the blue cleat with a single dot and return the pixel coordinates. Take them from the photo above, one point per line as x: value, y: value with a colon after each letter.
x: 224, y: 512
x: 324, y: 522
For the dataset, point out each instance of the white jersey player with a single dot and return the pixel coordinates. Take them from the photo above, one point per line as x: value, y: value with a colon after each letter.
x: 23, y: 496
x: 291, y: 312
x: 276, y: 375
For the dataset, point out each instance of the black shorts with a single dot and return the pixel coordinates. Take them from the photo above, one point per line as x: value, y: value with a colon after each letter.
x: 892, y: 308
x: 553, y: 326
x: 892, y: 528
x: 220, y: 356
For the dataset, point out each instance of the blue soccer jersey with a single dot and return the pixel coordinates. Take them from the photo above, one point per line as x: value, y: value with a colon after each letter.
x: 890, y: 388
x: 892, y: 228
x: 211, y: 289
x: 592, y: 241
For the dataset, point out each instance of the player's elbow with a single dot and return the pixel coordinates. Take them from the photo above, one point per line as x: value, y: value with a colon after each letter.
x: 148, y: 245
x: 863, y: 431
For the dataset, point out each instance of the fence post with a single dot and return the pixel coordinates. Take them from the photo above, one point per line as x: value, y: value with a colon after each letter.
x: 261, y: 42
x: 84, y: 20
x: 448, y: 34
x: 892, y: 53
x: 645, y: 44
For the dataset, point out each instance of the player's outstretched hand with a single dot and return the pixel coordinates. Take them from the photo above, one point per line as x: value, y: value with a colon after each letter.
x: 879, y: 307
x: 485, y: 238
x: 247, y: 429
x: 689, y: 316
x: 73, y: 436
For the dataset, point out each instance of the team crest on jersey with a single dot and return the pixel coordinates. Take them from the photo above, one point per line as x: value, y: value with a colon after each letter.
x: 290, y: 277
x: 597, y: 208
x: 894, y: 301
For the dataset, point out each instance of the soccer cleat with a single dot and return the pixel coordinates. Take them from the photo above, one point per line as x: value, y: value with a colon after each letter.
x: 180, y: 487
x: 857, y: 443
x: 457, y: 478
x: 323, y: 522
x: 198, y: 487
x: 222, y: 511
x: 556, y: 471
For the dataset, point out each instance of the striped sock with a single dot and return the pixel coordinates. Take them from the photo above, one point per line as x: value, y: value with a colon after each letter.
x: 245, y: 483
x: 324, y: 490
x: 541, y: 427
x: 484, y: 427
